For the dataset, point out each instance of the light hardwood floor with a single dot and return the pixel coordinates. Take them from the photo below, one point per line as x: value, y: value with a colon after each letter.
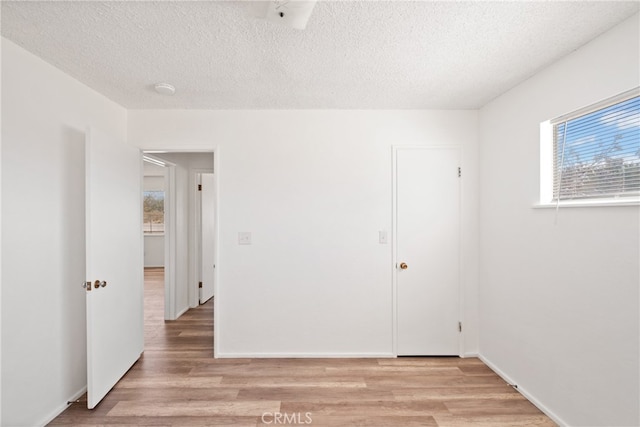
x: 178, y: 383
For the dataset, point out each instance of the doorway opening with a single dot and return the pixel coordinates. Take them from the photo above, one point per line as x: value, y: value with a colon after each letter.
x: 154, y: 186
x: 189, y: 231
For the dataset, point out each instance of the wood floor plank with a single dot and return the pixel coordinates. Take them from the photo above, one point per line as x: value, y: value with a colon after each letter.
x: 476, y: 370
x: 484, y: 406
x: 294, y: 381
x: 370, y: 408
x: 454, y: 393
x: 162, y: 421
x: 170, y: 381
x: 196, y: 333
x: 315, y: 394
x: 430, y: 361
x: 426, y: 381
x: 194, y: 408
x: 538, y: 420
x: 176, y: 394
x: 396, y: 370
x: 362, y: 421
x: 257, y: 371
x: 177, y: 382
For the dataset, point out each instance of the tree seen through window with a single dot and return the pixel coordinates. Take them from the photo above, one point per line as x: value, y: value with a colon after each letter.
x: 153, y: 209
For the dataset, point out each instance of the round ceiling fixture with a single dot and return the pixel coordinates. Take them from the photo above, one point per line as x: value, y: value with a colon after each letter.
x: 165, y: 89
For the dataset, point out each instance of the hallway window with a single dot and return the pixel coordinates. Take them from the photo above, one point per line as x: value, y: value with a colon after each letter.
x: 153, y: 209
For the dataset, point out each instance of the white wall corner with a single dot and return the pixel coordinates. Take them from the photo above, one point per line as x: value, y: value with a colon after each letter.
x: 513, y: 383
x: 64, y: 406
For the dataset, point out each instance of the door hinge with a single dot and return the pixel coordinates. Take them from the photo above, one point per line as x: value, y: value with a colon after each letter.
x: 199, y: 187
x: 459, y: 171
x: 459, y: 326
x: 199, y: 284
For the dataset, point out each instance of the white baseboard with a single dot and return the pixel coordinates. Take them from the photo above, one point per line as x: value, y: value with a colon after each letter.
x: 60, y: 409
x: 554, y: 417
x: 303, y: 355
x: 470, y: 354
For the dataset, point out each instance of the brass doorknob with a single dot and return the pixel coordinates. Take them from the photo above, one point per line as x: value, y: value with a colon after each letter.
x: 403, y: 266
x: 99, y: 283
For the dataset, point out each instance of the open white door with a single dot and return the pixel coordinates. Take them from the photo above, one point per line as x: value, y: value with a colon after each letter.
x: 115, y: 337
x: 207, y: 227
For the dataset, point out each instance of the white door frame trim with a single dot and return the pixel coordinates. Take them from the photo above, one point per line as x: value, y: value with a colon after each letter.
x: 394, y: 246
x: 169, y: 242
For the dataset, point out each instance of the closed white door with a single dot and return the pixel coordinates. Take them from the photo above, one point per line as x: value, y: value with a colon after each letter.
x: 114, y: 262
x: 207, y: 228
x: 427, y: 191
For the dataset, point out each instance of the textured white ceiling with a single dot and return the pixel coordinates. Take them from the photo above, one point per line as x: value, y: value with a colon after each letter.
x: 353, y: 54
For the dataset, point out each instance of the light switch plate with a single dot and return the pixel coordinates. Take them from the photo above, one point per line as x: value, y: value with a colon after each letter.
x: 244, y: 238
x: 382, y: 237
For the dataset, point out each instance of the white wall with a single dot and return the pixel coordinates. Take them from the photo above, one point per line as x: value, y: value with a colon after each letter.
x: 0, y: 223
x: 153, y: 183
x: 154, y: 250
x: 44, y: 117
x: 559, y: 303
x: 314, y: 188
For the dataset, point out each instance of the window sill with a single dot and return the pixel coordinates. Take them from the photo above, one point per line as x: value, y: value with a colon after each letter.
x: 589, y: 203
x: 153, y: 234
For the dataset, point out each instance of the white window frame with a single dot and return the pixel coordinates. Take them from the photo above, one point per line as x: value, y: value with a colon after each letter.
x: 547, y: 159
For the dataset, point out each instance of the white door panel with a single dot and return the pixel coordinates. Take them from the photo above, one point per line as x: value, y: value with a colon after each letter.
x: 114, y: 254
x: 427, y: 240
x: 207, y: 228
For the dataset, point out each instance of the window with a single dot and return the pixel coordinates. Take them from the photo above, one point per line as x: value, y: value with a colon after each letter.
x: 594, y: 153
x: 153, y: 208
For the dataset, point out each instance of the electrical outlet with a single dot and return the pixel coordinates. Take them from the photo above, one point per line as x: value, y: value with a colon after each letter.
x: 244, y: 238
